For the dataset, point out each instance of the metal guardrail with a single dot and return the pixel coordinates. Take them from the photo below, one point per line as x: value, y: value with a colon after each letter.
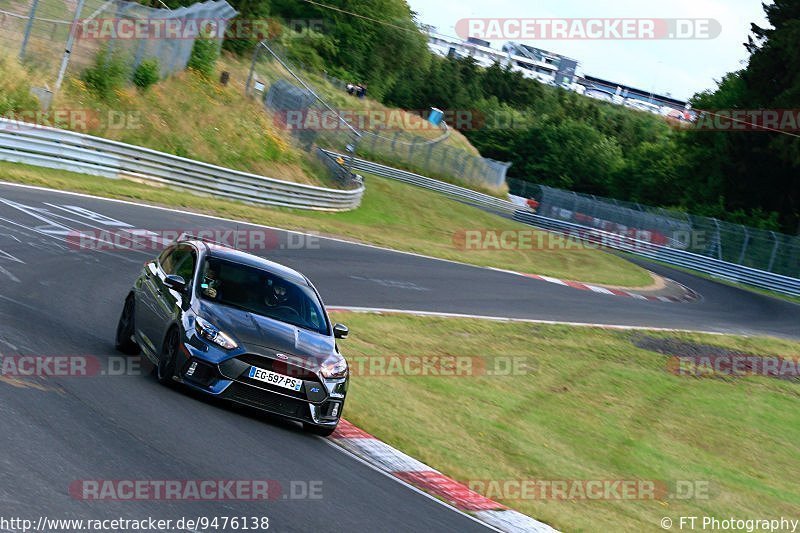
x: 61, y: 149
x: 681, y: 258
x: 66, y: 150
x: 734, y: 243
x: 700, y: 263
x: 454, y: 191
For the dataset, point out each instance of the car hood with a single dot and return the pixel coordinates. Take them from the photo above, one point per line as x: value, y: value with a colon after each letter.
x: 255, y: 331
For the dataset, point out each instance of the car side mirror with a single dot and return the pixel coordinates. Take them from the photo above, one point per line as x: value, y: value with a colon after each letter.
x: 176, y: 283
x: 340, y: 331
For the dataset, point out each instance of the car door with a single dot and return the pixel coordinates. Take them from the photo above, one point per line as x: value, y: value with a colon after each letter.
x: 181, y: 262
x: 147, y: 301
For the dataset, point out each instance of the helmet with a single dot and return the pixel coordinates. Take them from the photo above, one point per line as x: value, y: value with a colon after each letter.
x: 277, y: 293
x: 280, y: 292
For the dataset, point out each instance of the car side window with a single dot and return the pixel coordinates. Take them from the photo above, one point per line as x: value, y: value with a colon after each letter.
x: 185, y: 268
x: 164, y: 259
x: 180, y: 262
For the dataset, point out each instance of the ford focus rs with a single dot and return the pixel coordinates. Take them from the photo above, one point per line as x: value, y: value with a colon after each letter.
x: 240, y: 328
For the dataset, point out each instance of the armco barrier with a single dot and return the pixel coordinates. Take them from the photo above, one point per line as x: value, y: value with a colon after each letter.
x: 454, y: 191
x: 61, y: 149
x: 67, y: 150
x: 671, y: 256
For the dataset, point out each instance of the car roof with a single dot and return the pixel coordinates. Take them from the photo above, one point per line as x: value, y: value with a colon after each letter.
x: 220, y: 251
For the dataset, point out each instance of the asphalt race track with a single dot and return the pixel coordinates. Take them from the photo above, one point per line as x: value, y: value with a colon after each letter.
x: 56, y: 299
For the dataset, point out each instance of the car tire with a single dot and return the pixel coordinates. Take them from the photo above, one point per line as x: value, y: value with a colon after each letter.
x: 165, y: 369
x: 125, y: 327
x: 322, y: 431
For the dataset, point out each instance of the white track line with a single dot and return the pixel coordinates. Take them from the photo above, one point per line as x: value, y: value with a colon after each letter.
x: 538, y: 277
x: 252, y: 224
x: 380, y: 310
x: 421, y: 492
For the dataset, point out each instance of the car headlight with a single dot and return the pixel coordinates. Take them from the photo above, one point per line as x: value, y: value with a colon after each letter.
x: 206, y: 330
x: 334, y: 368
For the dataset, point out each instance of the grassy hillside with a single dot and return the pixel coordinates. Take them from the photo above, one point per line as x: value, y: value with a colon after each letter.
x: 198, y: 118
x: 591, y: 405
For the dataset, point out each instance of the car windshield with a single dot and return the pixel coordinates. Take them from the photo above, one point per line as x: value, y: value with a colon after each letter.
x: 262, y: 293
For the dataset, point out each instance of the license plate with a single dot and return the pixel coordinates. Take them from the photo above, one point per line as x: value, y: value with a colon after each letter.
x: 273, y: 378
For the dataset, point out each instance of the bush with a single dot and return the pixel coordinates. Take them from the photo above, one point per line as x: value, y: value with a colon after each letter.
x: 204, y: 56
x: 15, y: 86
x: 108, y: 73
x: 147, y: 73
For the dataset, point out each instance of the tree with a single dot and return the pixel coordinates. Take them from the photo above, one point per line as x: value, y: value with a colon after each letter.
x: 756, y: 171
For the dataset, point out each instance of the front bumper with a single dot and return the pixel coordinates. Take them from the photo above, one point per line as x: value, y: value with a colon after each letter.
x: 319, y: 401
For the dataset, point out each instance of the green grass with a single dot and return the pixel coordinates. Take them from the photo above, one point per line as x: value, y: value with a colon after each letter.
x: 596, y: 408
x: 392, y: 214
x: 208, y: 122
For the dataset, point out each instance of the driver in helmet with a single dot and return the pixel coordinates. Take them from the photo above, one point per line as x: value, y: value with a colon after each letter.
x: 276, y: 294
x: 210, y: 283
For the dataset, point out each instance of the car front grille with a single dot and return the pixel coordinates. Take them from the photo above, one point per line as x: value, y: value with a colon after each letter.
x: 262, y: 399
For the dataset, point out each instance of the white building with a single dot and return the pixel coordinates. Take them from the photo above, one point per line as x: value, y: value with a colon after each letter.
x: 544, y: 70
x: 552, y: 69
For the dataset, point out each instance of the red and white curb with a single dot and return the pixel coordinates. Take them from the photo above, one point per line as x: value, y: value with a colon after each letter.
x: 688, y: 294
x: 415, y: 473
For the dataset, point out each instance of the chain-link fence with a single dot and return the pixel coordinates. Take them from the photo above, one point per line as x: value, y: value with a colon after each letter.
x: 435, y: 160
x: 755, y: 248
x: 59, y: 37
x: 297, y: 108
x: 403, y: 149
x: 429, y: 156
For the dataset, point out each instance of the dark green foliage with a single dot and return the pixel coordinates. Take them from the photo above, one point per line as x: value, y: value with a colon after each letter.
x: 376, y: 54
x: 253, y: 14
x: 559, y: 138
x: 108, y: 73
x: 147, y: 73
x: 204, y: 56
x: 755, y: 171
